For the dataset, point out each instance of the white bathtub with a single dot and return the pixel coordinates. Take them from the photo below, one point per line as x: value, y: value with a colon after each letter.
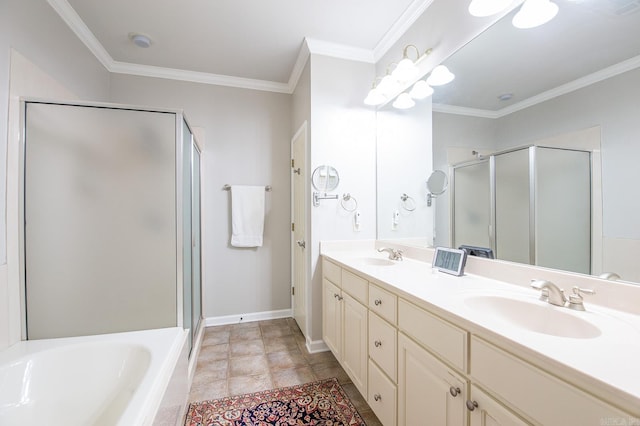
x: 112, y: 379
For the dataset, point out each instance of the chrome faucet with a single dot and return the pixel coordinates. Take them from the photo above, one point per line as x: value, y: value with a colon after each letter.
x: 393, y: 253
x: 550, y: 292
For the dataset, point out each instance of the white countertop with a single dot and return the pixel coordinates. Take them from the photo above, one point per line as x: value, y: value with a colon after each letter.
x: 606, y: 365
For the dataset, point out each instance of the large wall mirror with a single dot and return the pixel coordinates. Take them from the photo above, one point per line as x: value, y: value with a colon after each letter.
x: 573, y: 83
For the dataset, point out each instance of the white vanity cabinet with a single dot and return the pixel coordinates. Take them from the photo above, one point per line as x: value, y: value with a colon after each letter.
x: 429, y: 392
x: 488, y: 412
x: 344, y: 321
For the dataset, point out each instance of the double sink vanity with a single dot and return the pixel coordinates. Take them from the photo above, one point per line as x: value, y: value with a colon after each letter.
x: 424, y: 347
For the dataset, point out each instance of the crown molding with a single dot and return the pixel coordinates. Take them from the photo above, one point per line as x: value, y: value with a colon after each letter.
x: 458, y: 110
x: 198, y: 77
x: 397, y: 30
x: 298, y: 67
x: 341, y: 51
x: 77, y: 25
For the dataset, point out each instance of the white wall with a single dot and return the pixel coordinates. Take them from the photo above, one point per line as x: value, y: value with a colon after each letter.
x: 342, y: 135
x: 248, y: 136
x: 48, y: 60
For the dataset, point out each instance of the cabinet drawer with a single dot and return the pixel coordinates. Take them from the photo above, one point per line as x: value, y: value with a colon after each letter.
x: 437, y: 335
x: 383, y: 303
x: 382, y: 396
x: 355, y: 286
x: 332, y: 272
x: 545, y: 399
x: 382, y: 344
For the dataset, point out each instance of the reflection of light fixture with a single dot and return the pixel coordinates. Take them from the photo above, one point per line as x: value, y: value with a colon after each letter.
x: 375, y: 96
x: 481, y: 8
x: 404, y: 101
x: 440, y: 75
x: 421, y: 90
x: 534, y: 13
x: 406, y: 70
x: 388, y: 85
x: 141, y: 40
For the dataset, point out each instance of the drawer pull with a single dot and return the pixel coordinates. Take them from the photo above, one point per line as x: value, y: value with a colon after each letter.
x: 454, y: 391
x: 471, y: 405
x: 337, y: 296
x: 377, y: 397
x: 378, y: 343
x: 378, y: 302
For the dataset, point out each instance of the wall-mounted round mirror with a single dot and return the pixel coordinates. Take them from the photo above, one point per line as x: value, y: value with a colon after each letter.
x: 437, y: 182
x: 325, y: 178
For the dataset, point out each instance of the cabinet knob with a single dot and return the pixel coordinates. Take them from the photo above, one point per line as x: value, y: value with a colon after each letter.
x: 471, y: 405
x: 454, y: 391
x: 377, y: 397
x: 337, y: 296
x: 378, y: 343
x: 378, y: 302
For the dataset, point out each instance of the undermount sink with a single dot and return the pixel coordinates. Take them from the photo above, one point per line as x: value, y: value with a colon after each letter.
x: 539, y: 317
x: 376, y: 261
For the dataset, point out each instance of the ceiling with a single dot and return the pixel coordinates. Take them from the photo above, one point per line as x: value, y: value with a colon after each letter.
x: 245, y: 43
x: 588, y: 41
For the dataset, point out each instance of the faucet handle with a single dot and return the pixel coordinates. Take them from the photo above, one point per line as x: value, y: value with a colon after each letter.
x: 576, y: 300
x: 542, y: 286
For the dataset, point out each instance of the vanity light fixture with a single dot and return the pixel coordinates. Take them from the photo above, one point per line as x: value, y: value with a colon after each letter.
x: 534, y: 13
x: 404, y: 101
x: 440, y: 75
x: 375, y: 96
x: 482, y: 8
x: 140, y: 40
x: 407, y: 70
x: 421, y: 90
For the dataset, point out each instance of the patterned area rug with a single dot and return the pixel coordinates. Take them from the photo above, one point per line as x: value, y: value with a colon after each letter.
x: 317, y: 403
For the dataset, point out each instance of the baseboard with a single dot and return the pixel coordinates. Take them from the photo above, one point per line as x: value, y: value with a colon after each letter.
x: 250, y: 317
x: 315, y: 346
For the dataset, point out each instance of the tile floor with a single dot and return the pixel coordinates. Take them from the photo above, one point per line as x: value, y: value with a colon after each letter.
x: 254, y: 356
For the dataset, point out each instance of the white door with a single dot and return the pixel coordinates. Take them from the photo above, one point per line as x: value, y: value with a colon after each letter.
x: 298, y: 226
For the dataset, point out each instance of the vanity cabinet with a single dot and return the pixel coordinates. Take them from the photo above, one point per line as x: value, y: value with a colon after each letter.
x: 429, y: 392
x: 344, y: 321
x: 487, y: 411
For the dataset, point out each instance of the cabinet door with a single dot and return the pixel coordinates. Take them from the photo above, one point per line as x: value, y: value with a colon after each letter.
x: 354, y: 351
x: 428, y: 391
x: 332, y: 317
x: 489, y: 412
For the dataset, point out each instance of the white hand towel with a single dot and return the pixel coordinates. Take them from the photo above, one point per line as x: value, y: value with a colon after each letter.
x: 247, y: 215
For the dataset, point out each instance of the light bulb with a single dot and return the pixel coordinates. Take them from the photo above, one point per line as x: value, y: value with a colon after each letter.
x: 405, y: 71
x: 388, y: 85
x: 375, y: 97
x: 440, y: 75
x: 421, y: 90
x: 534, y: 13
x: 404, y: 101
x: 482, y: 8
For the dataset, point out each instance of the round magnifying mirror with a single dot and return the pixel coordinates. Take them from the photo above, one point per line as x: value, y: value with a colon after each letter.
x: 325, y: 178
x: 437, y: 182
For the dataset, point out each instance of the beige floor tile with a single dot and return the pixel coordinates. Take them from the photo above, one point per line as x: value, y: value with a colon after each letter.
x: 239, y: 348
x: 214, y: 352
x: 249, y: 384
x: 248, y: 365
x: 369, y: 418
x: 278, y: 344
x: 328, y: 370
x: 285, y: 359
x: 292, y: 376
x: 209, y: 390
x: 321, y: 357
x: 356, y: 397
x: 210, y: 370
x: 245, y: 334
x: 244, y: 325
x: 275, y: 322
x: 276, y: 331
x: 215, y: 338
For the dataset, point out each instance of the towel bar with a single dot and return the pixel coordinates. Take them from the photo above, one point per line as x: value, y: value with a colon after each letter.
x: 227, y: 187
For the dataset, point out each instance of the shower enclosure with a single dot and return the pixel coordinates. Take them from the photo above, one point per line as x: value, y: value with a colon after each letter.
x: 529, y: 205
x: 111, y: 220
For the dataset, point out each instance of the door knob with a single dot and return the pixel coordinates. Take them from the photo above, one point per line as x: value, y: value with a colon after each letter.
x: 301, y: 243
